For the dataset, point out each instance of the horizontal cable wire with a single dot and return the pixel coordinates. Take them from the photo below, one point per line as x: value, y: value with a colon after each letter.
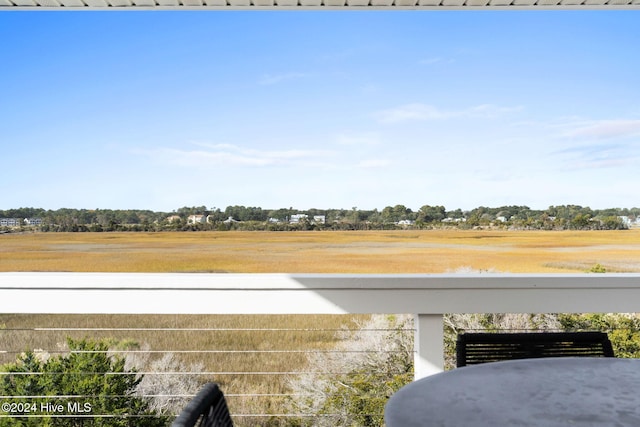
x: 301, y: 415
x: 181, y: 373
x: 94, y: 396
x: 283, y: 415
x: 78, y: 416
x: 208, y: 329
x: 205, y: 351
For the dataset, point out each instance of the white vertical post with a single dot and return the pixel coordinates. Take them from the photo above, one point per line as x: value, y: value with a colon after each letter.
x: 429, y: 345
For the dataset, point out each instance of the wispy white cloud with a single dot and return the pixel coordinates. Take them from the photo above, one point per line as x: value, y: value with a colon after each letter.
x: 373, y: 163
x: 602, y: 129
x: 435, y: 60
x: 598, y: 156
x: 411, y: 112
x: 233, y: 155
x: 271, y: 79
x: 202, y: 158
x: 489, y: 111
x: 359, y: 139
x: 425, y: 112
x: 596, y: 144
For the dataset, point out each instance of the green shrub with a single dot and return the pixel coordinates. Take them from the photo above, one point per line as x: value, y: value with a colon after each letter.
x: 86, y: 387
x: 623, y: 329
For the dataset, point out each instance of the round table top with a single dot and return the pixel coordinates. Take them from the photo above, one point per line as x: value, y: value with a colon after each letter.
x: 553, y: 392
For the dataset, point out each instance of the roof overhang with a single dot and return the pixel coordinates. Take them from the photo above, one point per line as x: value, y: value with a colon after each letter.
x: 318, y: 4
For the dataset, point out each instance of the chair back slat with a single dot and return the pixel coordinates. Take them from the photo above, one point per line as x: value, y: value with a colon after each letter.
x: 476, y: 348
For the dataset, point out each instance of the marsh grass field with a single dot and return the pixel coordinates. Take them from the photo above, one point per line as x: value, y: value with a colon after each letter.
x: 433, y: 251
x: 407, y: 251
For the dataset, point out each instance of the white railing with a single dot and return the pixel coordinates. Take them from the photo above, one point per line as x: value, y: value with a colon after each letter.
x: 427, y: 296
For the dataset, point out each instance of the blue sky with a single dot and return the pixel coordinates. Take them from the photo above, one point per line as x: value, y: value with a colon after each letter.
x: 159, y: 110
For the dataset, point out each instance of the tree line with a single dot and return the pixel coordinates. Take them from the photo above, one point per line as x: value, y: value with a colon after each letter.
x: 564, y: 217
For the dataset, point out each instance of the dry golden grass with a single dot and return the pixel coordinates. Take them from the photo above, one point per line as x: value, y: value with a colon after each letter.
x: 20, y: 332
x: 323, y: 252
x: 220, y: 333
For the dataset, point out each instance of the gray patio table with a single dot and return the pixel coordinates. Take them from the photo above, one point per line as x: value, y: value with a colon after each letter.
x: 550, y: 392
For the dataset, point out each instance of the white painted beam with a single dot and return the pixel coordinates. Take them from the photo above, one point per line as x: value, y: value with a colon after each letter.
x: 428, y: 345
x: 300, y: 293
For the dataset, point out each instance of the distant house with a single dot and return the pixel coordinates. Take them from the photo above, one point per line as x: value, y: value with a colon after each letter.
x: 405, y: 222
x: 33, y: 221
x: 229, y: 220
x: 449, y: 219
x: 625, y: 220
x: 630, y: 222
x: 196, y: 219
x: 173, y: 218
x: 319, y: 219
x: 295, y: 219
x: 10, y: 222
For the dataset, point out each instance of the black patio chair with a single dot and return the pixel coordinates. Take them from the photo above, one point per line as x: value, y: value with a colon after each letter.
x: 476, y: 348
x: 207, y: 409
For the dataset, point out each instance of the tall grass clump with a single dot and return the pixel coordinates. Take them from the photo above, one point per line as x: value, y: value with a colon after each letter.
x: 351, y: 385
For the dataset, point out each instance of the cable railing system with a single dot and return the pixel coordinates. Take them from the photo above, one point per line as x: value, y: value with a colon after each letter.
x: 256, y: 370
x: 318, y: 4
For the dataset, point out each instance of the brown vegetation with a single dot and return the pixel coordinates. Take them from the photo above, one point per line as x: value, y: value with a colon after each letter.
x: 433, y: 251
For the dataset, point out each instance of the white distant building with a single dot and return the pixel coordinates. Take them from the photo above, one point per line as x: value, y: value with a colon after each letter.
x: 33, y: 221
x: 229, y: 220
x: 625, y: 220
x: 454, y: 219
x: 319, y: 219
x: 295, y: 219
x: 196, y: 219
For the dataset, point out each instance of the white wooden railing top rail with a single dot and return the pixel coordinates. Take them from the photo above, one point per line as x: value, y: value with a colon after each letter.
x: 428, y: 296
